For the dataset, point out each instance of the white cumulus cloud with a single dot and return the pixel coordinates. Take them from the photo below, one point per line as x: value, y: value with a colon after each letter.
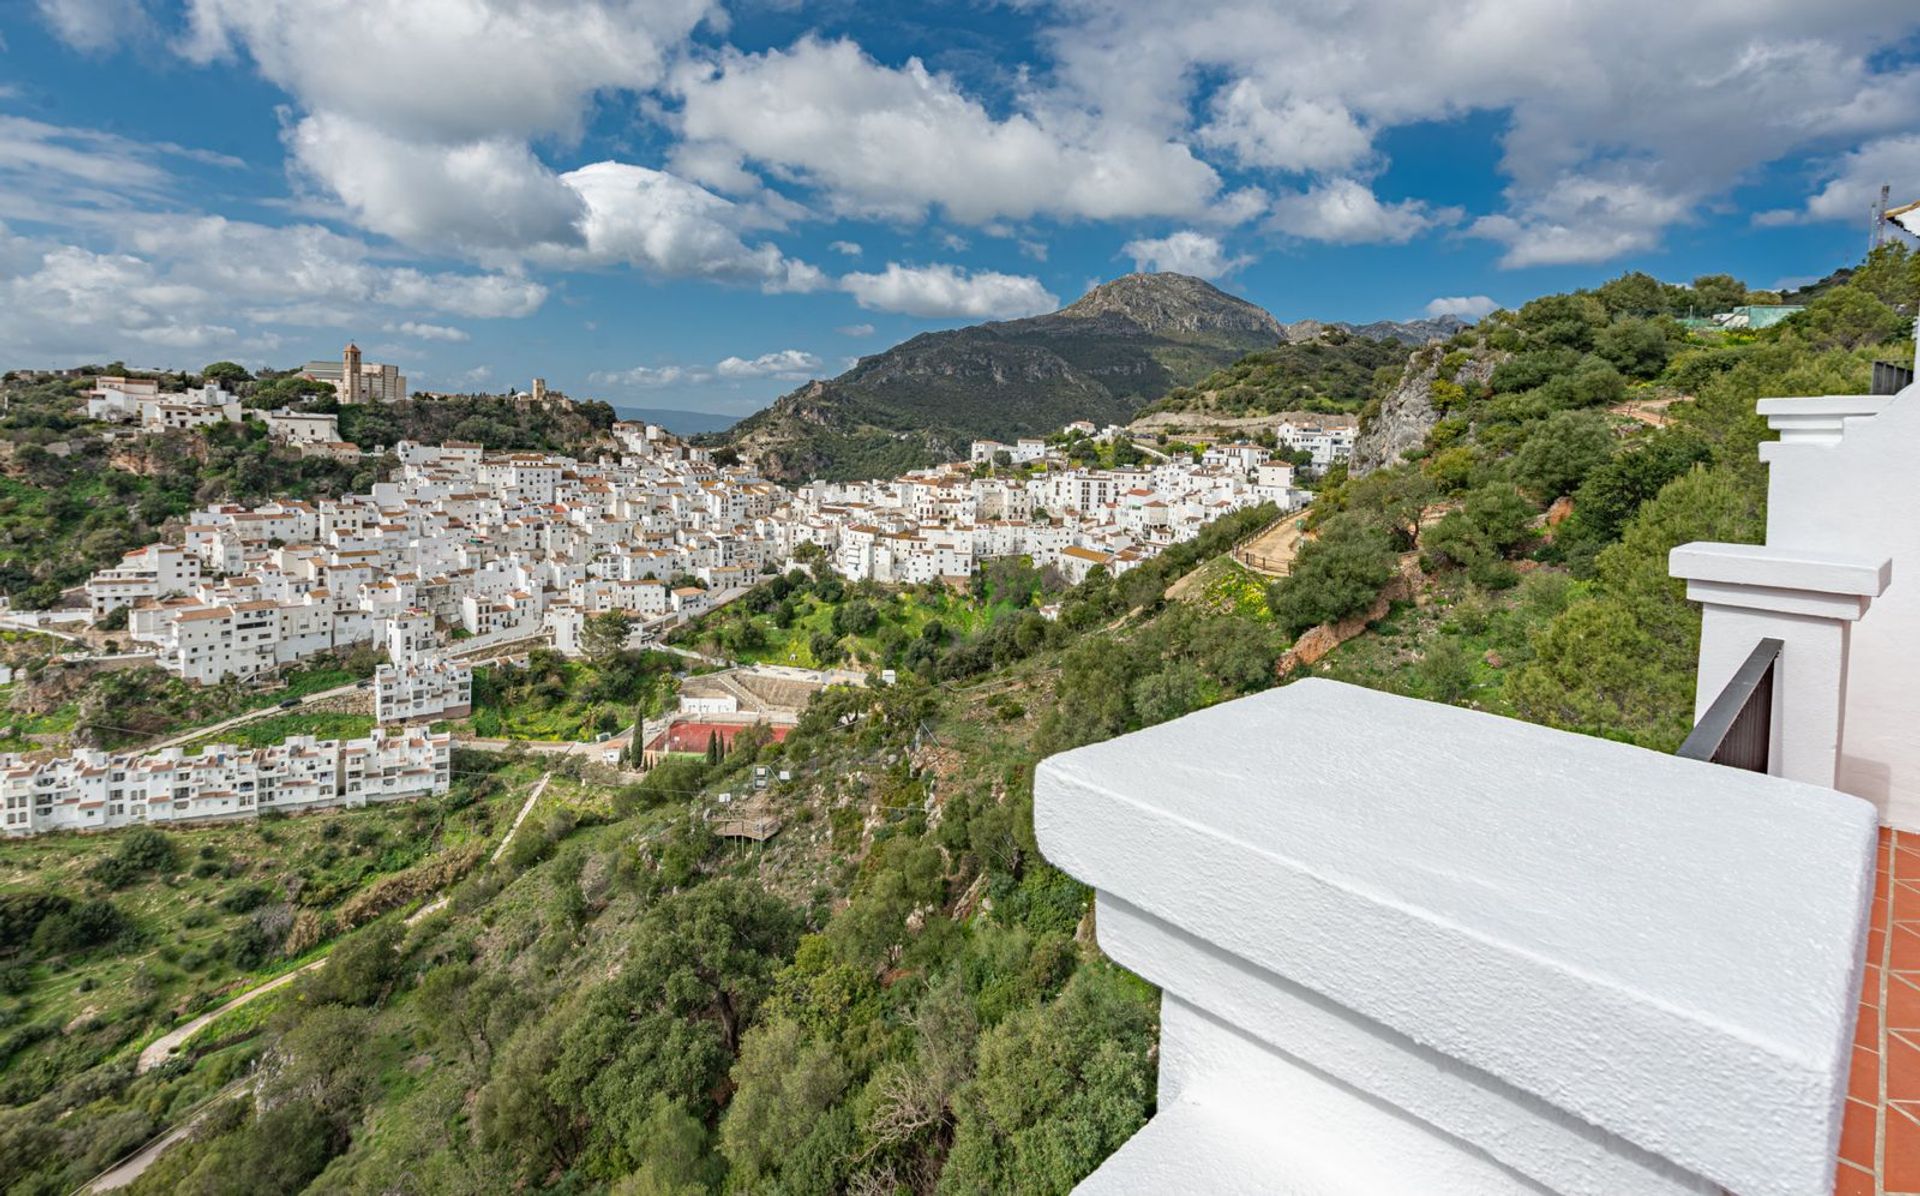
x: 948, y: 292
x: 1467, y: 307
x: 787, y: 363
x: 1184, y: 252
x: 428, y: 332
x: 895, y: 142
x: 1347, y: 212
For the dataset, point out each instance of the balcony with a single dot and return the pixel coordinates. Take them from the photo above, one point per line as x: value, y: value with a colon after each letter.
x: 1407, y: 948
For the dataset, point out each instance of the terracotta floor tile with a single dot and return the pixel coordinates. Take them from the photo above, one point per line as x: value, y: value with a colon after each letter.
x: 1859, y: 1130
x: 1905, y: 956
x: 1906, y: 897
x: 1863, y: 1076
x: 1849, y: 1180
x: 1903, y: 1002
x: 1905, y: 860
x: 1877, y: 941
x: 1900, y: 1168
x: 1866, y: 1024
x: 1903, y: 1066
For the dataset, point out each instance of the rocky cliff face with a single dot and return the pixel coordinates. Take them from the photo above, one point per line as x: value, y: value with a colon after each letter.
x: 1407, y: 332
x: 1407, y: 413
x: 1163, y: 304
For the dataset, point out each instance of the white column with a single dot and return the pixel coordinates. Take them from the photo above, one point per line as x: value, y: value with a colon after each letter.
x: 1807, y: 600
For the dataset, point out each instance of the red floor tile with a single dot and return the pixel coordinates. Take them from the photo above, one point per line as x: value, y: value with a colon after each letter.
x: 1903, y: 1002
x: 1866, y: 1024
x: 1905, y: 956
x: 1902, y: 1053
x: 1859, y: 1134
x: 1900, y: 1164
x: 1851, y: 1181
x: 1863, y: 1076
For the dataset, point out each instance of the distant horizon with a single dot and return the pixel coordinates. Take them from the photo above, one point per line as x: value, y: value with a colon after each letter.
x: 621, y: 199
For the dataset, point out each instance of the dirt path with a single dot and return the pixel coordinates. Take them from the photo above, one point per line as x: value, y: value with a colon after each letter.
x: 186, y: 737
x: 157, y: 1051
x: 521, y: 817
x: 1652, y: 412
x: 133, y: 1166
x: 1272, y: 551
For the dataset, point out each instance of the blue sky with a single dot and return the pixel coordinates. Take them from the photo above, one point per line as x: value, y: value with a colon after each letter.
x: 681, y: 203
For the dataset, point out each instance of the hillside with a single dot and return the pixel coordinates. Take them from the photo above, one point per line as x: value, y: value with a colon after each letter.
x: 1120, y: 346
x: 1333, y: 372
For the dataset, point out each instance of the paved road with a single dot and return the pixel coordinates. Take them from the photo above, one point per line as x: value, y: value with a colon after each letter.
x: 186, y: 737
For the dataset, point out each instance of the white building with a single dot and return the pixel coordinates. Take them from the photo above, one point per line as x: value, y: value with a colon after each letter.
x: 302, y: 428
x: 156, y: 571
x: 422, y: 689
x: 93, y: 790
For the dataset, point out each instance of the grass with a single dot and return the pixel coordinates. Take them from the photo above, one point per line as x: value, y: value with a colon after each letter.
x: 322, y: 724
x: 1493, y: 632
x: 1225, y: 587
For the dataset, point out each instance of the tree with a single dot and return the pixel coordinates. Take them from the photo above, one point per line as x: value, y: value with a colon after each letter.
x: 1848, y: 317
x: 1716, y: 293
x: 362, y: 968
x: 1335, y: 576
x: 604, y: 636
x: 783, y: 1083
x: 1059, y: 1087
x: 226, y: 371
x: 1638, y: 348
x: 1559, y: 454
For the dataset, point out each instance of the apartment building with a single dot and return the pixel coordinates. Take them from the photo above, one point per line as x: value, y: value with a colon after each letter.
x: 94, y: 790
x: 422, y: 690
x: 156, y: 571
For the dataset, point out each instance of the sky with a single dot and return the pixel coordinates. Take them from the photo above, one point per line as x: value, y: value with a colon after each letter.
x: 700, y: 205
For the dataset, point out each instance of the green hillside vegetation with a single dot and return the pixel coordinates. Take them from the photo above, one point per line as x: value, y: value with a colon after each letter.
x: 72, y: 502
x: 50, y: 705
x: 106, y: 941
x: 1337, y: 373
x: 1596, y: 638
x: 829, y: 622
x: 554, y: 698
x: 896, y: 991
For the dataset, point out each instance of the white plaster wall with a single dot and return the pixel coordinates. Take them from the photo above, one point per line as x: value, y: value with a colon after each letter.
x: 1862, y: 496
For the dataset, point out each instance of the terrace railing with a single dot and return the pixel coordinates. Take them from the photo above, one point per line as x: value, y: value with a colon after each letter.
x: 1737, y: 729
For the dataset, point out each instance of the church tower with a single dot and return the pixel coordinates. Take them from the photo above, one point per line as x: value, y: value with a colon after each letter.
x: 351, y: 382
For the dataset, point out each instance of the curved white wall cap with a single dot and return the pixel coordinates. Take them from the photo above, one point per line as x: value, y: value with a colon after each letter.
x: 1667, y: 949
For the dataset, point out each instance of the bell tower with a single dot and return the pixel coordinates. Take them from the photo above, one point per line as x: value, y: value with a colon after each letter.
x: 351, y: 383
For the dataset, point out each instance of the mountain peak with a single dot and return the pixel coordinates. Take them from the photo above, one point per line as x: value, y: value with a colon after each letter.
x: 1164, y: 302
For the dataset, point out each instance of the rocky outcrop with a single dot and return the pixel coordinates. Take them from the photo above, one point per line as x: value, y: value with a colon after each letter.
x: 1407, y: 332
x: 1407, y: 414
